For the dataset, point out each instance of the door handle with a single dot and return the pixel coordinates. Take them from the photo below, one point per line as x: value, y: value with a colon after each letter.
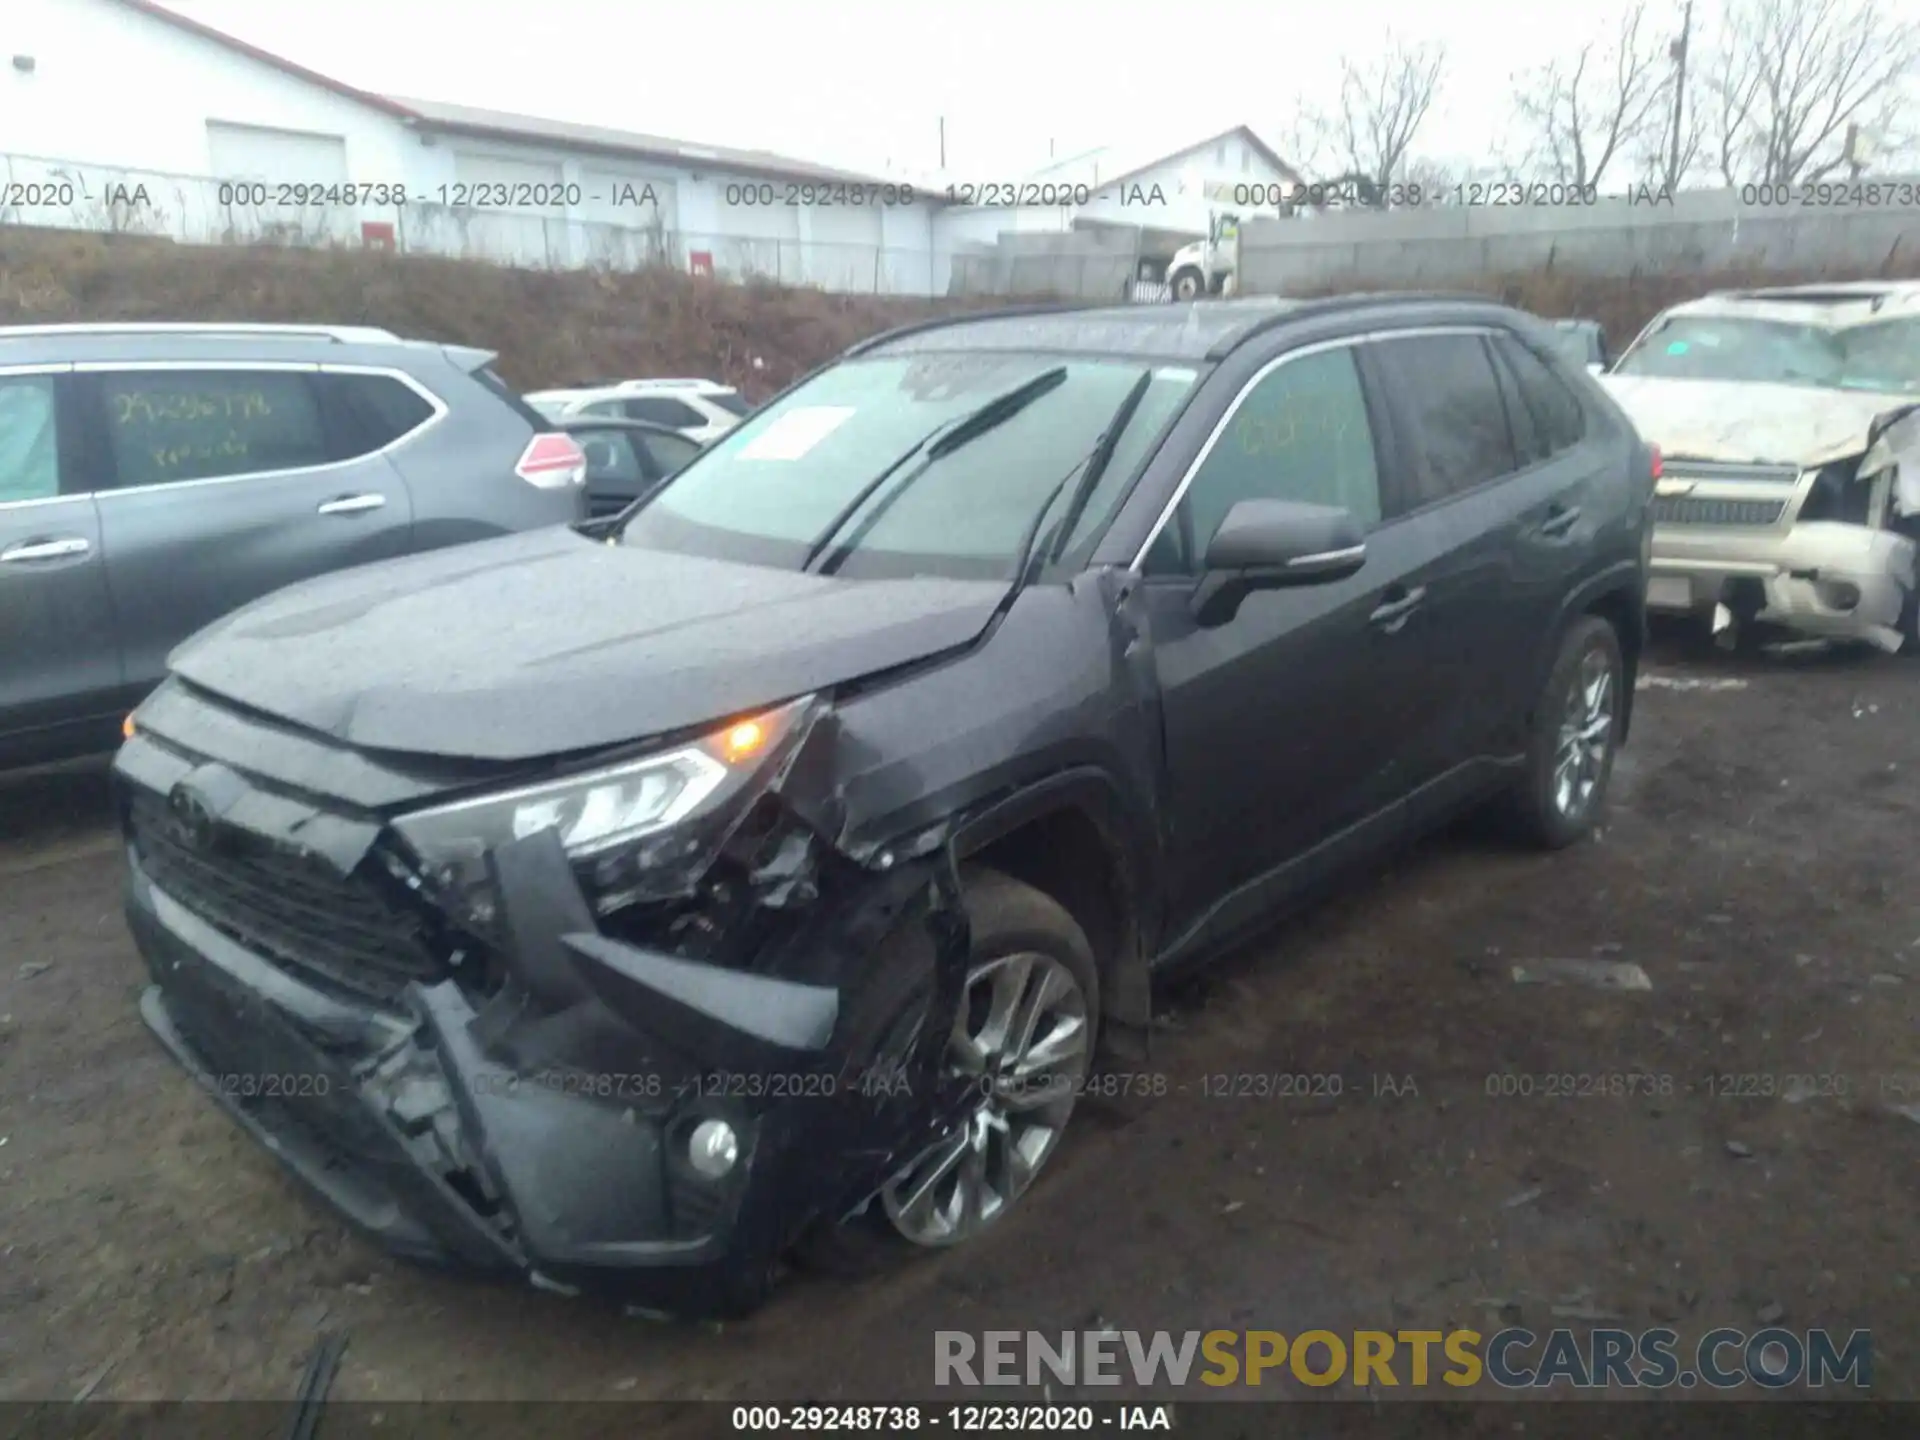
x: 1393, y: 614
x: 353, y: 504
x: 44, y: 550
x: 1560, y: 519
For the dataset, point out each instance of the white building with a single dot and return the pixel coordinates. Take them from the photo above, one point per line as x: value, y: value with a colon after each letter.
x: 122, y: 114
x: 1170, y: 196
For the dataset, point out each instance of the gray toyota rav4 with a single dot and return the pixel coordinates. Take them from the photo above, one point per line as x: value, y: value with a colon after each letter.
x: 154, y: 477
x: 752, y: 873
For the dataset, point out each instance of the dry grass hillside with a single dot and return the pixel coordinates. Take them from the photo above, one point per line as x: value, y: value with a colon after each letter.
x: 549, y: 327
x: 555, y: 328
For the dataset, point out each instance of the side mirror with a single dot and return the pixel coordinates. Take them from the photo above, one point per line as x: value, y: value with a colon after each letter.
x: 1275, y: 544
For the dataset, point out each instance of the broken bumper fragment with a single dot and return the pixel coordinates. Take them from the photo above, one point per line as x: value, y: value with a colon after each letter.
x: 1824, y: 579
x: 613, y: 1117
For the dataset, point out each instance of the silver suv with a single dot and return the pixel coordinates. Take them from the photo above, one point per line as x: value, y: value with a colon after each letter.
x: 701, y: 410
x: 155, y: 477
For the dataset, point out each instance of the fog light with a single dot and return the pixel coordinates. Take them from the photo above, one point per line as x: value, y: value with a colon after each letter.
x: 1837, y: 594
x: 713, y: 1148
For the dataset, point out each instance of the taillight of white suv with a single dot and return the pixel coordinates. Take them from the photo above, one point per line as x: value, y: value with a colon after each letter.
x: 552, y: 461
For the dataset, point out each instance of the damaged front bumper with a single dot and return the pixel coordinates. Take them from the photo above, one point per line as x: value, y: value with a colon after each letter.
x: 614, y: 1117
x: 1824, y: 579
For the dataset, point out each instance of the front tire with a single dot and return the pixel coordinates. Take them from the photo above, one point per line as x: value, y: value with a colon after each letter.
x: 1188, y: 285
x: 1909, y: 626
x: 1023, y: 1033
x: 1575, y: 735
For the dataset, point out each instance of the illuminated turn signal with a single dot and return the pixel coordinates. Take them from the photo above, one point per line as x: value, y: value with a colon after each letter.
x: 126, y: 727
x: 743, y: 740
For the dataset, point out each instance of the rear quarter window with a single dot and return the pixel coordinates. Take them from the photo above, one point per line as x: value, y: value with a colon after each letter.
x: 370, y: 412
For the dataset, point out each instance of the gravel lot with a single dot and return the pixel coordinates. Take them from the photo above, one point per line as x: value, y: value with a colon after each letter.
x: 1756, y: 864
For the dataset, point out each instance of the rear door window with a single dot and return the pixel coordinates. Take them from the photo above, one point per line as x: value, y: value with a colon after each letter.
x: 29, y: 448
x: 167, y: 427
x: 1555, y: 413
x: 1446, y: 392
x: 1530, y: 445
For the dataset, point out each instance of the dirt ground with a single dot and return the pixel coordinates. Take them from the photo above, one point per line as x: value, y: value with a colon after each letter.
x: 1756, y: 864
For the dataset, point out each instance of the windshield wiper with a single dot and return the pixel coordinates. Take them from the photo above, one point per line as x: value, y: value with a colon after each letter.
x: 1089, y: 470
x: 1097, y: 463
x: 941, y: 441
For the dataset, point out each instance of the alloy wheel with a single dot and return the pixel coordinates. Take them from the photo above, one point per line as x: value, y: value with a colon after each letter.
x: 1020, y: 1038
x: 1586, y: 736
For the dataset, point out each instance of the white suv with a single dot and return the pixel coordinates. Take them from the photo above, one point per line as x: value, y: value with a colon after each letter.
x: 702, y: 410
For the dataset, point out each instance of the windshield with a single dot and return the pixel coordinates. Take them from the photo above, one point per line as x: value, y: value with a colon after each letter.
x: 1883, y: 356
x: 767, y: 492
x: 730, y: 401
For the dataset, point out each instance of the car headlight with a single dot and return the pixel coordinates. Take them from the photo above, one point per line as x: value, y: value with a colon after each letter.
x: 633, y: 830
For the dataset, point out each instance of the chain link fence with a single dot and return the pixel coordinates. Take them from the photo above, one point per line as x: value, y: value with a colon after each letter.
x: 49, y: 193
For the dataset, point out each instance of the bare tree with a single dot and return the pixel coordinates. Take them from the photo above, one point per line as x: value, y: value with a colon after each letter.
x: 1791, y: 78
x: 1732, y: 87
x: 1437, y: 182
x: 1604, y: 103
x: 1365, y: 141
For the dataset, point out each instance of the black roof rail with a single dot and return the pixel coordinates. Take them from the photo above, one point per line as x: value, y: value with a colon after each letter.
x: 1317, y: 306
x: 1334, y: 304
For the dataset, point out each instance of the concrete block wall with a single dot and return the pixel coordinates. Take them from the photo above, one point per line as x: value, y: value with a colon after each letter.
x: 1857, y: 231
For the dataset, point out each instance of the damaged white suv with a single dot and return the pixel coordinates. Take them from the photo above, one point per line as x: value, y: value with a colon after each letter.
x: 1789, y: 423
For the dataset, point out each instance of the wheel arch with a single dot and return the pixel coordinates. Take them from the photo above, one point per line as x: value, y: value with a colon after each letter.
x: 1617, y: 595
x: 1070, y: 837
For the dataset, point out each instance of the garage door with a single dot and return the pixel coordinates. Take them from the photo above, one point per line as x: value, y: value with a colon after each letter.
x: 496, y: 182
x: 759, y: 230
x: 630, y: 215
x: 253, y: 152
x: 843, y: 248
x: 520, y: 211
x: 273, y: 158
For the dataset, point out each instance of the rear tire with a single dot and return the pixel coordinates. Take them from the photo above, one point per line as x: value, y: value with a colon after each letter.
x: 1015, y: 928
x: 1574, y: 737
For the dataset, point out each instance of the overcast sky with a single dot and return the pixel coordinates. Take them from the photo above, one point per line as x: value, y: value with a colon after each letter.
x: 861, y: 83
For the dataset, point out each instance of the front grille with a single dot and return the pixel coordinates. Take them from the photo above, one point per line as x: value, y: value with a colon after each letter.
x: 341, y: 934
x: 1689, y: 510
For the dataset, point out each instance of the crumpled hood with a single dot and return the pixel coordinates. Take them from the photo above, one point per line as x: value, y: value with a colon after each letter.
x: 1736, y: 421
x: 546, y: 642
